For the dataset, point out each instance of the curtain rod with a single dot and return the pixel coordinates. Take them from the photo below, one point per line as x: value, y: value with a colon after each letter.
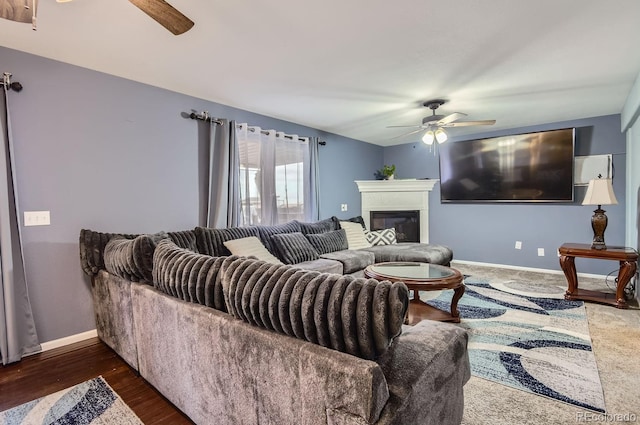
x: 8, y: 85
x: 266, y: 132
x: 204, y: 116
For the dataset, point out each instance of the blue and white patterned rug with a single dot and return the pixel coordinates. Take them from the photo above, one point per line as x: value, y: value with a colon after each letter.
x: 92, y: 402
x: 528, y: 337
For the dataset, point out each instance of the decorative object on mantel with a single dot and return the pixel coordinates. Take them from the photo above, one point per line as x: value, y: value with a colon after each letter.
x: 386, y: 173
x: 599, y: 192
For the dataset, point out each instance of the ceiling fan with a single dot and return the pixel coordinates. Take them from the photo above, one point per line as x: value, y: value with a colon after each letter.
x: 161, y: 11
x: 434, y: 124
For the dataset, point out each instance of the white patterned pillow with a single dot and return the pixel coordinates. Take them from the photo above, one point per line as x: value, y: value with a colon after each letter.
x: 355, y: 235
x: 251, y: 247
x: 381, y: 237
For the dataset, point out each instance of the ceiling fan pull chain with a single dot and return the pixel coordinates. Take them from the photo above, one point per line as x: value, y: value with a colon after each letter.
x: 34, y: 18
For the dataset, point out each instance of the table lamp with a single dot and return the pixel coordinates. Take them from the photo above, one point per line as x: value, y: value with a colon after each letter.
x: 599, y: 192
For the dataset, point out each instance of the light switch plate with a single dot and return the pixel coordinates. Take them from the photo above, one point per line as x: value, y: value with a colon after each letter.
x: 37, y: 218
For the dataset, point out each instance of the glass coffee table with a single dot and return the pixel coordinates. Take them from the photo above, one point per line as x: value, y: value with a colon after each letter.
x: 422, y: 277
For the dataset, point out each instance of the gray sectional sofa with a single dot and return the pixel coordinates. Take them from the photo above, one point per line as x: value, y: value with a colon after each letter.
x: 232, y: 339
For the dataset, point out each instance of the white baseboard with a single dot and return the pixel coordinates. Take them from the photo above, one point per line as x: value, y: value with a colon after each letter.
x: 56, y: 343
x: 528, y: 269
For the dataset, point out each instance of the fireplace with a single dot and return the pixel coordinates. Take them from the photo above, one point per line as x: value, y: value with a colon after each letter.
x: 397, y: 196
x: 406, y: 223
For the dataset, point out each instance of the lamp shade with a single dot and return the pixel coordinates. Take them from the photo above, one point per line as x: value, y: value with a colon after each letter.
x: 428, y: 137
x: 600, y: 192
x: 441, y: 136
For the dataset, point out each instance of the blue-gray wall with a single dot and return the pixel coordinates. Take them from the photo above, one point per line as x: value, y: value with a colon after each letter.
x: 113, y: 155
x: 488, y: 232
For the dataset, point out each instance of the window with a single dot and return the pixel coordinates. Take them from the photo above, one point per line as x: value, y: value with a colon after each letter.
x: 275, y: 175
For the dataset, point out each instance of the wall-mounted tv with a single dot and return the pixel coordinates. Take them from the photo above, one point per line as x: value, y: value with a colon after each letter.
x: 531, y: 167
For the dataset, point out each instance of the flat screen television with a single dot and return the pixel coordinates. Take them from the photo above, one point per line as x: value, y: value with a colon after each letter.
x: 531, y: 167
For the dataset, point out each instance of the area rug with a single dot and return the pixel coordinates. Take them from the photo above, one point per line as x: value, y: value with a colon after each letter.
x: 527, y: 336
x: 91, y: 402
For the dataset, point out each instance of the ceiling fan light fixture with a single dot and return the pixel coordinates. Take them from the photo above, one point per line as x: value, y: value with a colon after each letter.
x: 428, y: 137
x: 441, y: 136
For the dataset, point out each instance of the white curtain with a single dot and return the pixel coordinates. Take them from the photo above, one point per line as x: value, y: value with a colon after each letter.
x: 278, y: 176
x: 17, y: 328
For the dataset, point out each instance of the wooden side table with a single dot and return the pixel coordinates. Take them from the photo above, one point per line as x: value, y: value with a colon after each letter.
x: 627, y: 257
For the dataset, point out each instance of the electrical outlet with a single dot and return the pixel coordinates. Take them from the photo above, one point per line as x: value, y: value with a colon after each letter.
x: 518, y: 244
x: 343, y: 207
x: 540, y: 252
x: 37, y: 218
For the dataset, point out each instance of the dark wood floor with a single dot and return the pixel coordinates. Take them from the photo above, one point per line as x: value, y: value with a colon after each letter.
x: 45, y: 373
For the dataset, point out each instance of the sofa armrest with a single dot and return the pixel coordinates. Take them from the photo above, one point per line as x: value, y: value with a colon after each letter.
x: 426, y: 368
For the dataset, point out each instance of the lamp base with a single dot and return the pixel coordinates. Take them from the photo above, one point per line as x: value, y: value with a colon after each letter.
x: 598, y: 224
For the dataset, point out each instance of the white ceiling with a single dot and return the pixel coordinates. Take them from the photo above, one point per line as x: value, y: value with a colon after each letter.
x: 354, y: 67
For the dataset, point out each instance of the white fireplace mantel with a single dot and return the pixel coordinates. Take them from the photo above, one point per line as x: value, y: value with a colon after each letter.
x: 397, y: 195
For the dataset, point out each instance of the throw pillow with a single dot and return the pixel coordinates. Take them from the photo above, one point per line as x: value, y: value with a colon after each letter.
x: 294, y: 248
x: 265, y: 232
x: 211, y: 241
x: 381, y: 237
x: 355, y: 235
x: 251, y: 247
x: 333, y: 241
x: 321, y: 226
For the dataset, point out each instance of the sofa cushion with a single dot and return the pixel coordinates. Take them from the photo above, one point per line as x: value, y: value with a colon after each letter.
x: 357, y: 316
x: 381, y: 237
x: 132, y: 258
x: 265, y: 233
x: 321, y: 226
x: 189, y: 276
x: 334, y: 240
x: 412, y: 251
x: 184, y: 239
x: 92, y: 245
x: 211, y: 241
x: 352, y: 260
x: 355, y: 235
x: 323, y: 265
x: 293, y: 248
x: 251, y: 247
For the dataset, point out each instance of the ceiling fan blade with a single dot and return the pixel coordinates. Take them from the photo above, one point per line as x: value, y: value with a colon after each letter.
x: 470, y: 123
x: 451, y: 118
x: 15, y: 10
x: 165, y: 14
x: 407, y: 134
x: 403, y: 126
